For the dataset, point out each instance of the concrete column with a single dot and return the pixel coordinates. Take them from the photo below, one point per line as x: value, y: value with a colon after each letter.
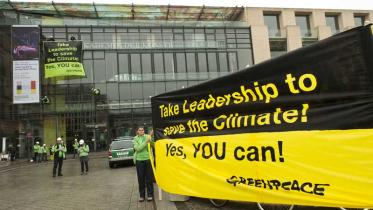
x: 323, y: 32
x: 260, y: 43
x: 318, y: 18
x: 293, y: 37
x: 253, y: 16
x: 3, y: 145
x: 287, y: 18
x: 370, y: 17
x: 259, y: 34
x: 346, y: 20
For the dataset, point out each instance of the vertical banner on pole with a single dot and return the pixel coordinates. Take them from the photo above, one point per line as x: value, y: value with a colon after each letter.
x: 25, y: 55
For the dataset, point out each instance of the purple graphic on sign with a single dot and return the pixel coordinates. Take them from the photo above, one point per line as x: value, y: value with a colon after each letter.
x: 25, y: 43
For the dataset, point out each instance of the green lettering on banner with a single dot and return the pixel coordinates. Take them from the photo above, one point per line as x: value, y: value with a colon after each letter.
x: 64, y: 69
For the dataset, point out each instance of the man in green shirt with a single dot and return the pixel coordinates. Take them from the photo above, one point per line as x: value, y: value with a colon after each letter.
x: 143, y: 165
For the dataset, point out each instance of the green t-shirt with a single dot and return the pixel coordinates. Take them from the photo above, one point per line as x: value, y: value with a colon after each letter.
x: 141, y: 147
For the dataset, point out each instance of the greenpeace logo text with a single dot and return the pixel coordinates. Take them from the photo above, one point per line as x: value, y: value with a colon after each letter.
x: 274, y: 184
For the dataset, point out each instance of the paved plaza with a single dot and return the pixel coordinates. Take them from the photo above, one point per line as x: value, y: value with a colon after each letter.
x: 29, y: 186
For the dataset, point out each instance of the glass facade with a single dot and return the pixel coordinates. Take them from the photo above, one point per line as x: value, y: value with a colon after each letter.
x: 129, y: 65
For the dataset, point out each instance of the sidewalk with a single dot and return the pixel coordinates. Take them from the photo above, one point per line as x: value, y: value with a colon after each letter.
x: 100, y: 172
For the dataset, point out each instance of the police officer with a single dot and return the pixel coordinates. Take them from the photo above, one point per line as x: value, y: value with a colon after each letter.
x: 59, y: 151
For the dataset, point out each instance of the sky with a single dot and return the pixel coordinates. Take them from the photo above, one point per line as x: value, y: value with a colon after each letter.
x: 317, y: 4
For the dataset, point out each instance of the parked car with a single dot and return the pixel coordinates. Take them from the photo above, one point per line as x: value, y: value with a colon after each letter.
x: 121, y: 150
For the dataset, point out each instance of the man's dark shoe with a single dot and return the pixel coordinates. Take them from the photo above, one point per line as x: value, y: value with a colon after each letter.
x: 81, y: 173
x: 60, y: 175
x: 141, y: 199
x: 150, y: 198
x: 54, y: 175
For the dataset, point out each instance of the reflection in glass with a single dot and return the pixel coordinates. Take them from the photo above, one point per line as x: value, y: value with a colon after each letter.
x: 180, y: 59
x: 158, y: 66
x: 332, y: 22
x: 99, y: 70
x: 111, y: 66
x: 125, y: 91
x: 169, y: 65
x: 223, y: 65
x: 146, y: 67
x: 202, y: 62
x: 359, y: 20
x: 112, y: 92
x: 212, y: 62
x: 136, y: 91
x: 232, y: 59
x: 304, y: 24
x: 273, y: 24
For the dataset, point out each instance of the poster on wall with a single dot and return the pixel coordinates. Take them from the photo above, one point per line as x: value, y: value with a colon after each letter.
x: 296, y: 129
x: 63, y: 59
x: 25, y: 55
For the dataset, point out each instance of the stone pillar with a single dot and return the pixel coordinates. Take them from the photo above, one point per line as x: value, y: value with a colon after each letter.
x: 347, y: 20
x: 323, y: 32
x: 253, y: 16
x: 259, y: 34
x: 318, y: 18
x: 293, y: 37
x: 287, y: 18
x: 260, y: 43
x: 370, y: 17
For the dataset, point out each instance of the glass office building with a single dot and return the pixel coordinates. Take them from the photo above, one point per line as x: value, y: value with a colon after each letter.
x: 130, y: 54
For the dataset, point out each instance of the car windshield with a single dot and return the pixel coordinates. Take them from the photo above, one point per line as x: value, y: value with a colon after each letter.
x: 121, y: 145
x: 122, y: 138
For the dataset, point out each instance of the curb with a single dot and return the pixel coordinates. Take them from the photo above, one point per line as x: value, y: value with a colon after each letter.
x: 162, y: 199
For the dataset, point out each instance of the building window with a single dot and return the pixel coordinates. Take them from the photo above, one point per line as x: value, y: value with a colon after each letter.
x: 359, y: 20
x: 332, y: 22
x: 273, y: 24
x: 277, y: 47
x: 303, y: 21
x: 308, y: 41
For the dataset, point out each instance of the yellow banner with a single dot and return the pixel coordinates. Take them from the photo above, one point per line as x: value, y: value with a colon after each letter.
x: 318, y: 168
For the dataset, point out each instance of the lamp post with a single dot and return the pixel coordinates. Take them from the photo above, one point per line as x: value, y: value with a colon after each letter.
x: 95, y: 93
